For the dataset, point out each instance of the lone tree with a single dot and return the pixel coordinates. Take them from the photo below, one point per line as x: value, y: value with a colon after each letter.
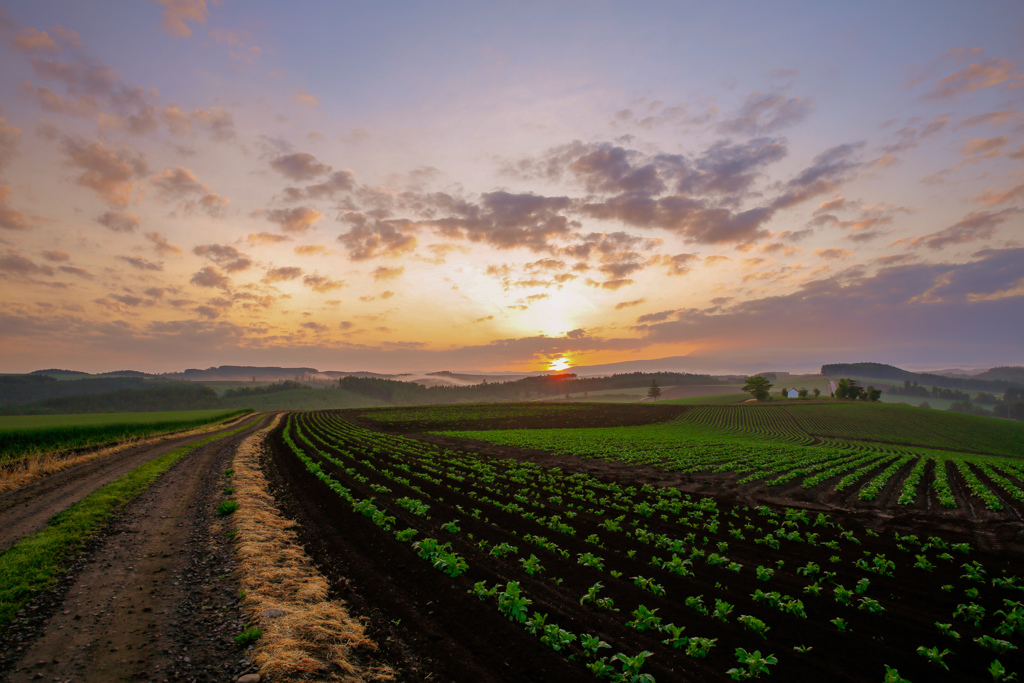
x: 758, y: 387
x: 655, y: 391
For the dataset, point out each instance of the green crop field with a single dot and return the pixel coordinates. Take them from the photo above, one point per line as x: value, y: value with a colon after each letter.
x: 838, y: 447
x: 21, y: 435
x: 652, y: 581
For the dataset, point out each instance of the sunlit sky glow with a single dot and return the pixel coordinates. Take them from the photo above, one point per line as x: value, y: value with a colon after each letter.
x: 496, y: 186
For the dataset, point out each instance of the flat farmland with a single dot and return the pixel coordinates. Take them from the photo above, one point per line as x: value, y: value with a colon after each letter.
x: 528, y: 559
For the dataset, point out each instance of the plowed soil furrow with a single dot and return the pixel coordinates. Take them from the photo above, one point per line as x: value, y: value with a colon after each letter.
x: 154, y: 599
x: 26, y: 510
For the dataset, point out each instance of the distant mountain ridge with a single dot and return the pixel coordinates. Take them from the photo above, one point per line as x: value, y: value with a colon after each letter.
x: 895, y: 374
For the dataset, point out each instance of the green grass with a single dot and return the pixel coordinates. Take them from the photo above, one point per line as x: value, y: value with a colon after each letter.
x: 22, y: 435
x: 304, y: 399
x: 35, y: 563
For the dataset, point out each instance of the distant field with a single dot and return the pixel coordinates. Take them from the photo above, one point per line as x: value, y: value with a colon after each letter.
x: 717, y: 399
x: 304, y: 399
x: 827, y: 446
x: 25, y: 434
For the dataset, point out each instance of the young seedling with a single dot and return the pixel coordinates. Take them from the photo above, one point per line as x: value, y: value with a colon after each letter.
x: 934, y: 655
x: 644, y: 619
x: 722, y: 610
x: 947, y: 630
x: 631, y: 667
x: 995, y: 644
x: 893, y: 676
x: 754, y: 662
x: 755, y: 625
x: 840, y: 624
x: 675, y: 636
x: 226, y: 508
x: 592, y: 644
x: 999, y: 672
x: 249, y: 636
x: 531, y: 565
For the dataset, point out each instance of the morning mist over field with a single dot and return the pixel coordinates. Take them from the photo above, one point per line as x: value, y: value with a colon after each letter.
x: 468, y: 186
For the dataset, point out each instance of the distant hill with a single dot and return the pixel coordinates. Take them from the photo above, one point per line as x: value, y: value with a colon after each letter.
x: 245, y: 373
x: 895, y: 374
x: 21, y: 389
x: 1013, y: 374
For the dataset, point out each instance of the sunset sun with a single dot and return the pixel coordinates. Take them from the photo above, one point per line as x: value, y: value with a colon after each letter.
x: 559, y: 365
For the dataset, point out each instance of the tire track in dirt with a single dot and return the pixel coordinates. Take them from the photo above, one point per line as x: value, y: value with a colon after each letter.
x: 154, y: 600
x: 26, y: 510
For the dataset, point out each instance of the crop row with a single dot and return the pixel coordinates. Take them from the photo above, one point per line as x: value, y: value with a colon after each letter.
x: 587, y: 565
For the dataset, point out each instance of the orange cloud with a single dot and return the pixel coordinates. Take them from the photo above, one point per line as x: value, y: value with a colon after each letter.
x: 978, y: 76
x: 833, y: 253
x: 161, y: 244
x: 385, y: 273
x: 32, y: 40
x: 177, y: 12
x: 9, y: 137
x: 210, y: 277
x: 107, y: 171
x: 282, y: 274
x: 305, y: 99
x: 261, y: 238
x: 119, y: 222
x: 986, y: 147
x: 319, y: 283
x: 297, y: 219
x: 992, y: 196
x: 11, y: 219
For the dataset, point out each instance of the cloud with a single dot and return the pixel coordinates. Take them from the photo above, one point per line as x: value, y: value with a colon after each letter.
x: 227, y: 257
x: 14, y: 263
x: 106, y: 170
x: 629, y: 304
x: 32, y: 40
x: 177, y: 12
x: 9, y: 137
x: 833, y: 253
x: 305, y: 99
x: 319, y: 283
x: 368, y: 237
x: 208, y: 276
x: 11, y: 219
x: 678, y: 264
x: 217, y: 121
x: 180, y: 184
x: 298, y: 219
x: 984, y: 147
x: 119, y: 222
x: 283, y: 274
x: 162, y: 246
x: 993, y: 118
x: 337, y: 182
x: 141, y: 263
x: 506, y: 220
x: 299, y: 166
x: 977, y: 76
x: 317, y: 328
x: 78, y: 272
x: 976, y: 225
x: 386, y: 273
x: 261, y: 238
x: 763, y: 113
x: 655, y: 317
x: 993, y: 196
x: 56, y: 256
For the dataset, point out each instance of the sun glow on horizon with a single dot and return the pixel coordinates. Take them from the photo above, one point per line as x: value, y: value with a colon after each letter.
x: 559, y: 365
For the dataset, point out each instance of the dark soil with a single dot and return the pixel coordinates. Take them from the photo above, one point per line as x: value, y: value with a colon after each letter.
x: 430, y: 628
x: 152, y: 598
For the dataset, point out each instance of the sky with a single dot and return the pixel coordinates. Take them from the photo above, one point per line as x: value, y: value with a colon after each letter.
x: 502, y: 186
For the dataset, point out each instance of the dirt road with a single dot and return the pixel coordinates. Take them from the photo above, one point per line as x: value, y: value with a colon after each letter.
x: 153, y: 600
x: 26, y: 510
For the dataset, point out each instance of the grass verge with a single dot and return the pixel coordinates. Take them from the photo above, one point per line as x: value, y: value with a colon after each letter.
x: 304, y: 633
x: 35, y: 563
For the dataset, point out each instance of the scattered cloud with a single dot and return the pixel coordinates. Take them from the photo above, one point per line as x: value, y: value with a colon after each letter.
x: 629, y: 304
x: 140, y: 263
x: 9, y: 137
x: 320, y: 283
x: 227, y: 257
x: 178, y: 12
x: 297, y: 220
x: 208, y: 276
x: 977, y: 225
x: 386, y: 273
x: 10, y: 218
x: 299, y: 166
x: 763, y: 113
x: 162, y: 246
x: 108, y: 171
x: 283, y: 274
x: 263, y: 238
x: 119, y: 222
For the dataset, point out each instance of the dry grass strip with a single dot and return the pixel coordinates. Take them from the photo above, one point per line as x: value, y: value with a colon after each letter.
x: 26, y: 469
x: 305, y: 635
